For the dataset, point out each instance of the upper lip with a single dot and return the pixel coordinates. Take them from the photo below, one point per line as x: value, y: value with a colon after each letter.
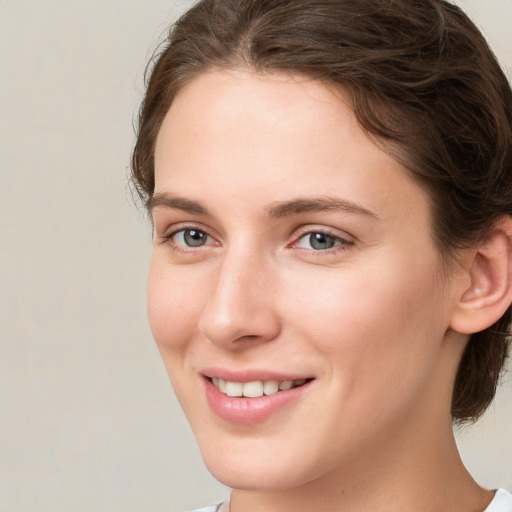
x: 250, y: 375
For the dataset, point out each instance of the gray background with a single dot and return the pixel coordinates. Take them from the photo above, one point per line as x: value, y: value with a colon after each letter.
x: 88, y: 421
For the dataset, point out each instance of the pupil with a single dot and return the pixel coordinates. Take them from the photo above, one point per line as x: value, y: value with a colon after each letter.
x: 194, y: 238
x: 320, y: 241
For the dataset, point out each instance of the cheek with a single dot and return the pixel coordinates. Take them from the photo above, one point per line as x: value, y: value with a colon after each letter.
x: 175, y: 301
x: 373, y: 323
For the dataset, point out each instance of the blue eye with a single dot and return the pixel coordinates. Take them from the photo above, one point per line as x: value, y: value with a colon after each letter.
x: 318, y: 241
x: 190, y: 237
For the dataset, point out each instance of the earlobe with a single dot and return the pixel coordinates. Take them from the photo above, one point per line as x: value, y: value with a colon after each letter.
x: 489, y: 293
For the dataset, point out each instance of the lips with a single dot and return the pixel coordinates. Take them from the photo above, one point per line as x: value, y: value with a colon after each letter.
x: 244, y: 399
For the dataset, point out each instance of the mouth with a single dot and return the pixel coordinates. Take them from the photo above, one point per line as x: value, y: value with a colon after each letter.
x: 255, y: 388
x: 249, y: 397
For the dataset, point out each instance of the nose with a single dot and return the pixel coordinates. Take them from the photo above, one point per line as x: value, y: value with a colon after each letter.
x: 240, y: 309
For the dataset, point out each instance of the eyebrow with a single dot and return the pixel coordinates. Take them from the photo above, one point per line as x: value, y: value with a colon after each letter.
x: 317, y: 204
x: 275, y: 210
x: 164, y: 200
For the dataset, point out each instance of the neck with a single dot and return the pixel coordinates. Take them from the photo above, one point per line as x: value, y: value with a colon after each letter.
x: 421, y: 472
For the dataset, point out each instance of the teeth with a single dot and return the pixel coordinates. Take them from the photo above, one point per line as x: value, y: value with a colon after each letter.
x: 255, y: 388
x: 285, y: 385
x: 270, y: 387
x: 234, y: 388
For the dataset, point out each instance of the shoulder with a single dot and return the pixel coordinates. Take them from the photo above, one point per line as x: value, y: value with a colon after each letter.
x: 502, y: 502
x: 211, y: 508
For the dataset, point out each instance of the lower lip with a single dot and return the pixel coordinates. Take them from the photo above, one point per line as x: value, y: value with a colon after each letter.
x: 247, y: 411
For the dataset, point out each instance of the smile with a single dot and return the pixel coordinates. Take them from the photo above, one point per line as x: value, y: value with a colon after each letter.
x: 252, y: 401
x: 255, y: 389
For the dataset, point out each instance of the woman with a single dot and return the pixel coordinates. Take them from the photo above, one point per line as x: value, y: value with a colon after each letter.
x: 330, y: 184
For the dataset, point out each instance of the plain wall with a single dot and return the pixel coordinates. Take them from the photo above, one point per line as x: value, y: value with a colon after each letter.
x: 88, y: 420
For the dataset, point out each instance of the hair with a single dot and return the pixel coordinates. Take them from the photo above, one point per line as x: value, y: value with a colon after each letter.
x: 422, y: 81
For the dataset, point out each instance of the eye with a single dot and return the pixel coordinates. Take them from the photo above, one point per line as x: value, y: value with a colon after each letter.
x: 318, y: 241
x: 190, y: 237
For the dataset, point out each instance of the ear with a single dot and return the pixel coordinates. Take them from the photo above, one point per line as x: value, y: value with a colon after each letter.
x: 489, y: 293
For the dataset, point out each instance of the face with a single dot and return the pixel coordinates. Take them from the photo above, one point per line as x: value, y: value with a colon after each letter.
x: 293, y: 264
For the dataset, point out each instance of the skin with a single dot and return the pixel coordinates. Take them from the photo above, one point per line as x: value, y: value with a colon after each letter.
x: 370, y: 319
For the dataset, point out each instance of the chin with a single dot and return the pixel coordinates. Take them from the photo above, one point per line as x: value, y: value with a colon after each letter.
x: 252, y: 479
x: 268, y: 470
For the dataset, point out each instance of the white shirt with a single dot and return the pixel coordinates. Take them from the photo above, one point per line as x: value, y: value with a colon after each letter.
x: 502, y: 502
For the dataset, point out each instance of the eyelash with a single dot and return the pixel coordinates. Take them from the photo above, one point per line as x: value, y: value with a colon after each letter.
x: 341, y: 244
x: 167, y: 238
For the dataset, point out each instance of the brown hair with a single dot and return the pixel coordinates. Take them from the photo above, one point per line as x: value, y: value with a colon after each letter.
x: 422, y: 81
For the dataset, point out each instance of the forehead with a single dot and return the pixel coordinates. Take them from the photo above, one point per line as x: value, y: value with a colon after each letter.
x: 262, y: 108
x: 274, y: 137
